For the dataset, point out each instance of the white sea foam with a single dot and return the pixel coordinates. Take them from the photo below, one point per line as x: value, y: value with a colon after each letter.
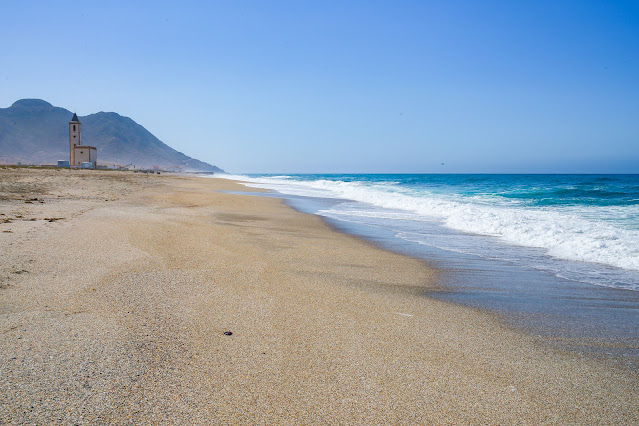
x: 577, y: 234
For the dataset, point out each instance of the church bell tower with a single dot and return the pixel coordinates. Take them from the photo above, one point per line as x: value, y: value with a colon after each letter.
x: 74, y: 137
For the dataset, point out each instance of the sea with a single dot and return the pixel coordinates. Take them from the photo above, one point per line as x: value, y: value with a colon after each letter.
x: 557, y: 255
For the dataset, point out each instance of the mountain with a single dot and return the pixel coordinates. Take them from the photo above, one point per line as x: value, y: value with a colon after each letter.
x: 33, y: 131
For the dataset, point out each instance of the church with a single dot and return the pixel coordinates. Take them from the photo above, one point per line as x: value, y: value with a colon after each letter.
x: 83, y: 156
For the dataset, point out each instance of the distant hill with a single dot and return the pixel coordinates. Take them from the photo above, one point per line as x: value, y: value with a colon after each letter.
x: 33, y: 131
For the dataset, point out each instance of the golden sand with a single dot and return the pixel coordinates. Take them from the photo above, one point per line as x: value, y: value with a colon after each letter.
x: 116, y: 289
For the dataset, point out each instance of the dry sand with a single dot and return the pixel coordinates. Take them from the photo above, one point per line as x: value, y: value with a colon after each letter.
x: 116, y: 289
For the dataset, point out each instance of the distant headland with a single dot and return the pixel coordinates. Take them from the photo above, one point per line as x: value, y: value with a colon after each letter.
x: 32, y: 131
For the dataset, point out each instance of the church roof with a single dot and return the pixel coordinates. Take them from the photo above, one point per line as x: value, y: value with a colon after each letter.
x: 75, y: 118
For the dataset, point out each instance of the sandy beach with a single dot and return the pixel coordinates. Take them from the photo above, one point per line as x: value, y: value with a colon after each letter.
x: 117, y: 288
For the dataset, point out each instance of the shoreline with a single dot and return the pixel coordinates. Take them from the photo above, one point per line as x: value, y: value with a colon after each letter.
x: 590, y: 320
x: 115, y: 312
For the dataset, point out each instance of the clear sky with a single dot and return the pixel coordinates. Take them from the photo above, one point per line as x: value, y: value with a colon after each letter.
x: 345, y: 86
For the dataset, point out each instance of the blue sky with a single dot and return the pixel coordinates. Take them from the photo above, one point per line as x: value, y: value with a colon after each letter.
x: 345, y: 86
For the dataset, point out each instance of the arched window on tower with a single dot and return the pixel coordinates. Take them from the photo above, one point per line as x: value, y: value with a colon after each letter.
x: 74, y: 127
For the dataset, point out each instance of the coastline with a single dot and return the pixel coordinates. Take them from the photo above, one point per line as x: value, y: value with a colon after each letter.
x: 535, y: 296
x: 114, y: 311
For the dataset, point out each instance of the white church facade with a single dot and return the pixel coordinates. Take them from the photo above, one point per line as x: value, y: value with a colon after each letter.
x: 80, y: 155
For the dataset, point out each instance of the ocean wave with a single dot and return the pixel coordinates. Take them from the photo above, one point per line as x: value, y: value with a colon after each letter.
x: 576, y: 234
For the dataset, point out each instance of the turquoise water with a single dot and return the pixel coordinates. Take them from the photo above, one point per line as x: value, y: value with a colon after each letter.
x: 583, y: 228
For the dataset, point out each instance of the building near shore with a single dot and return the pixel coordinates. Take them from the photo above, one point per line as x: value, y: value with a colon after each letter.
x: 79, y: 153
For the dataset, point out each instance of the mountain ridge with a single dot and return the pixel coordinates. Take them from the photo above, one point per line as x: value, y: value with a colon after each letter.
x: 33, y: 131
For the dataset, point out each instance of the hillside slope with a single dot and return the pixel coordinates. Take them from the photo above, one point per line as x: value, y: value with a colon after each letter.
x: 33, y: 131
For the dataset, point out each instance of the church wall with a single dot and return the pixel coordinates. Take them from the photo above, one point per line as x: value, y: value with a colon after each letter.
x: 75, y: 138
x: 85, y: 154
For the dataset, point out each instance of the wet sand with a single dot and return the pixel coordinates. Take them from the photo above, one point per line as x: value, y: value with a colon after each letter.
x: 116, y: 289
